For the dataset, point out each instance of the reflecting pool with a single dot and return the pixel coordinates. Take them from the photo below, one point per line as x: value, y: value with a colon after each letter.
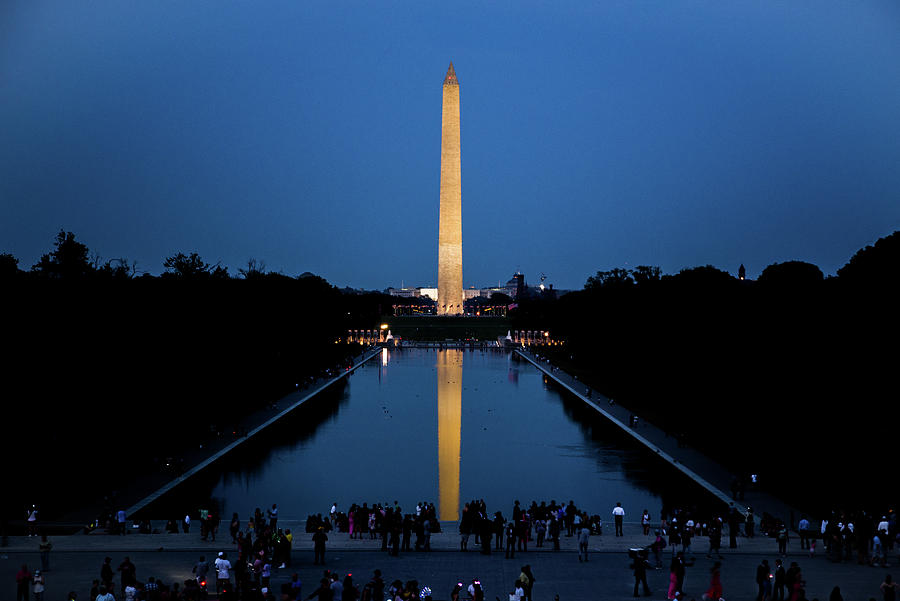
x: 443, y: 426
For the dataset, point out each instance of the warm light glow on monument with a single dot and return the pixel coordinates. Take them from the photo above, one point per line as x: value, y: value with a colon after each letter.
x: 450, y: 281
x: 449, y: 393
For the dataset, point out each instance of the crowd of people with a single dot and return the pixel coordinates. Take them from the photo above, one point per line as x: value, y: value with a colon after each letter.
x: 331, y: 587
x: 386, y: 522
x: 261, y: 547
x: 232, y: 584
x: 544, y: 523
x: 541, y: 524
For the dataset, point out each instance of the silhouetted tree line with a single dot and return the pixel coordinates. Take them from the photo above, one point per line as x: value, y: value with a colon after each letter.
x: 107, y: 371
x: 792, y: 376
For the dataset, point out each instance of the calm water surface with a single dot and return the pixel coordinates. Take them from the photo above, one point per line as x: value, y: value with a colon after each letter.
x: 444, y: 426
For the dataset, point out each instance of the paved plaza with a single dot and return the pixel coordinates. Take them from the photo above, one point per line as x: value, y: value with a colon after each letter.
x: 76, y: 559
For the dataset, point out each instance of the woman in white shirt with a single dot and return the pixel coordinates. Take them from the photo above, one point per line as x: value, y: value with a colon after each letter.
x: 37, y: 586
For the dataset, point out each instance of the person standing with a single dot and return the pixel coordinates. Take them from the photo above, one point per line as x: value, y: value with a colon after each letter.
x: 676, y: 575
x: 618, y: 516
x: 120, y: 522
x: 791, y: 577
x: 212, y: 520
x: 319, y: 539
x: 778, y: 593
x: 31, y: 516
x: 803, y: 527
x: 273, y: 517
x: 640, y: 566
x: 287, y: 543
x: 797, y: 587
x: 645, y: 522
x: 734, y: 521
x: 762, y: 574
x: 23, y: 583
x: 687, y: 535
x: 377, y: 586
x: 527, y: 578
x: 234, y: 527
x: 584, y: 536
x: 44, y: 548
x: 201, y: 569
x: 337, y: 588
x: 782, y: 538
x: 554, y: 531
x: 715, y: 538
x: 657, y: 546
x: 223, y: 573
x: 510, y: 540
x: 465, y: 528
x: 106, y: 573
x: 426, y: 533
x: 37, y: 585
x: 714, y: 592
x: 129, y: 573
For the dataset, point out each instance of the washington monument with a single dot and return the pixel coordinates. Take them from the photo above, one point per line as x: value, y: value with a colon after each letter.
x: 450, y: 282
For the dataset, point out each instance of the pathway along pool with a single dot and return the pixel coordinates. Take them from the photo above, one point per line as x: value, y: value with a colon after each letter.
x: 443, y: 426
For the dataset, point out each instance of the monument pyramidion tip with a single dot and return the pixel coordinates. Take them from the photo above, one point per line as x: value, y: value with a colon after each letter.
x: 450, y: 79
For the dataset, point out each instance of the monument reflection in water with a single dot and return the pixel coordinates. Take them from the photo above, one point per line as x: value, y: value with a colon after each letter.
x: 442, y: 426
x: 449, y: 401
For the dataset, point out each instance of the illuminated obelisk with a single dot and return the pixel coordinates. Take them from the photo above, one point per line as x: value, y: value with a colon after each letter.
x: 450, y: 282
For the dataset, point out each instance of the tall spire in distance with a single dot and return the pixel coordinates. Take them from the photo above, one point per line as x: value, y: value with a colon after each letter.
x: 450, y: 79
x: 450, y: 280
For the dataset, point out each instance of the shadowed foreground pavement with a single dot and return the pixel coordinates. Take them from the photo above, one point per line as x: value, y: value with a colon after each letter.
x: 75, y: 561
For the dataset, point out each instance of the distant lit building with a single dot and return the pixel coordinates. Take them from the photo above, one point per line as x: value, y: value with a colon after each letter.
x: 515, y: 286
x: 404, y: 292
x: 431, y: 293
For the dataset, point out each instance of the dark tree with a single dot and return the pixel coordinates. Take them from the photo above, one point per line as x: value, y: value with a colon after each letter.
x: 614, y: 278
x: 878, y: 263
x: 192, y: 267
x: 703, y: 277
x: 118, y: 269
x: 9, y: 266
x: 796, y: 274
x: 69, y: 259
x: 255, y: 269
x: 644, y: 274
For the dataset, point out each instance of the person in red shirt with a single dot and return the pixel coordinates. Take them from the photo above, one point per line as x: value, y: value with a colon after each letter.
x: 23, y: 583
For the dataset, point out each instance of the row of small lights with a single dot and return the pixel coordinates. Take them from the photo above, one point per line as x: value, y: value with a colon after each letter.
x: 541, y: 337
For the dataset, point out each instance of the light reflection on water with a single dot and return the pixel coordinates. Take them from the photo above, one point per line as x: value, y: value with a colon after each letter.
x: 443, y: 426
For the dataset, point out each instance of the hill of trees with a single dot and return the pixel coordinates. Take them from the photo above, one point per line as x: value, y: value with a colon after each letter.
x: 107, y: 372
x: 792, y: 376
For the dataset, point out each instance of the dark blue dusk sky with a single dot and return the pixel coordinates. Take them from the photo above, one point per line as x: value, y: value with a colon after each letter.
x: 594, y: 134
